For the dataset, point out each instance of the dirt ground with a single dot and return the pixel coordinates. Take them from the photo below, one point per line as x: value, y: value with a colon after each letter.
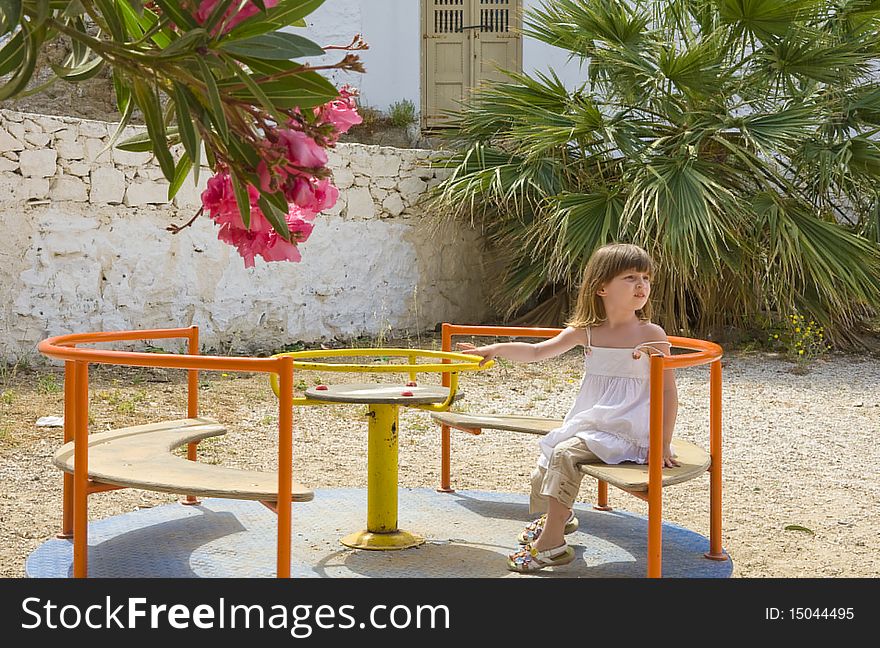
x: 801, y: 489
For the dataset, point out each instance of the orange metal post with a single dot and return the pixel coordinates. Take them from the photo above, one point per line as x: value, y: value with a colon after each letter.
x: 69, y: 423
x: 285, y: 463
x: 81, y: 470
x: 716, y: 551
x: 445, y: 432
x: 655, y: 471
x: 192, y: 403
x: 602, y: 504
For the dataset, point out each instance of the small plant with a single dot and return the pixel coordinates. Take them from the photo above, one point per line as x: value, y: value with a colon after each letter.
x: 402, y: 113
x: 301, y: 385
x: 125, y: 407
x: 798, y: 339
x: 371, y: 117
x: 6, y: 437
x: 7, y: 397
x: 48, y: 384
x: 288, y: 348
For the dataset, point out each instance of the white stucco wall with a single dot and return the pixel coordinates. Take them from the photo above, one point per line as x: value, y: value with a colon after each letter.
x: 84, y: 248
x: 393, y: 30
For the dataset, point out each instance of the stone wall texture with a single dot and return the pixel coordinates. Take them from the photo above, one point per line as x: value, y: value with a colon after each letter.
x: 84, y: 248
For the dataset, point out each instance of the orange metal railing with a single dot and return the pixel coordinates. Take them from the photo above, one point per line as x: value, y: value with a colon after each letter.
x: 703, y: 353
x: 78, y: 487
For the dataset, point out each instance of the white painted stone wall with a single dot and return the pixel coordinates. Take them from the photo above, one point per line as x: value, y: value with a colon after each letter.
x: 393, y: 29
x: 84, y: 248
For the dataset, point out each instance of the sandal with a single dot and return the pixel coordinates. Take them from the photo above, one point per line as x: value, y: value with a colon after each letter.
x: 530, y: 559
x: 534, y: 528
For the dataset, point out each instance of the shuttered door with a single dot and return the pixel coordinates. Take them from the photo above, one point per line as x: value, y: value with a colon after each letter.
x: 495, y: 44
x: 465, y: 41
x: 447, y: 57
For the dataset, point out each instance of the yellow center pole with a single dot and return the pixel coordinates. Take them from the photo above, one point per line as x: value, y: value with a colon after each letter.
x: 382, y: 469
x: 382, y: 533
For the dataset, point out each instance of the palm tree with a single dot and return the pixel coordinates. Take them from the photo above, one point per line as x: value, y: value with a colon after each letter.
x: 734, y: 139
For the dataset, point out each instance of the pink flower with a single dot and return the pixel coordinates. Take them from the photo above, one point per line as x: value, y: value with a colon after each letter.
x: 218, y: 199
x: 302, y: 150
x: 260, y: 239
x: 280, y: 250
x: 233, y: 15
x: 341, y: 112
x: 313, y: 195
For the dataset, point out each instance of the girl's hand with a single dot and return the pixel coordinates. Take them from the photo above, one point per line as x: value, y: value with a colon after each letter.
x: 669, y: 460
x: 486, y: 352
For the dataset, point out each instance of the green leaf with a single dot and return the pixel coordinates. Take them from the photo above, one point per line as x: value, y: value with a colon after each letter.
x: 765, y: 18
x: 12, y: 54
x: 185, y: 122
x: 148, y: 100
x: 126, y: 117
x: 178, y: 15
x: 10, y: 15
x: 26, y: 65
x: 276, y: 46
x: 140, y: 21
x: 285, y: 13
x: 243, y: 201
x: 123, y: 92
x: 299, y: 90
x: 180, y: 174
x: 113, y: 17
x: 141, y: 143
x: 218, y: 116
x: 81, y: 73
x: 258, y: 94
x: 217, y: 14
x: 798, y: 527
x: 191, y: 40
x: 276, y: 216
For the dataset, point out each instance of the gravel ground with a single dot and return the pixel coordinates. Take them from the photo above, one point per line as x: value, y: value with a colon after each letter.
x: 799, y: 451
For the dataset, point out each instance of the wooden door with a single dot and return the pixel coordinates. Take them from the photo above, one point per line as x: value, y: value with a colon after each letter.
x: 465, y: 42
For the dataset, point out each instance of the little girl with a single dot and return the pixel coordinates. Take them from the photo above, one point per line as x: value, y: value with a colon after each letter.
x: 609, y: 421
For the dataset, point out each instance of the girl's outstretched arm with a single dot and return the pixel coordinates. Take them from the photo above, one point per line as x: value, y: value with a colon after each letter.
x: 526, y: 351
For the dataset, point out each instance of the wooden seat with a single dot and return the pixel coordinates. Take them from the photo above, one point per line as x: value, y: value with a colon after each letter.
x: 626, y: 476
x: 141, y: 457
x: 475, y: 422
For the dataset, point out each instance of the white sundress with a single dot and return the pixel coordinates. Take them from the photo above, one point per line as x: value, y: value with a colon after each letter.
x: 612, y: 410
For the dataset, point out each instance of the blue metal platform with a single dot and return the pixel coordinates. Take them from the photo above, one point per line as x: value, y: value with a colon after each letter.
x: 469, y: 534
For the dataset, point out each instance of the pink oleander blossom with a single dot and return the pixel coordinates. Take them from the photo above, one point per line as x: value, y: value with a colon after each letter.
x: 292, y: 161
x: 218, y: 200
x: 233, y: 15
x: 302, y: 150
x: 341, y: 112
x: 313, y: 196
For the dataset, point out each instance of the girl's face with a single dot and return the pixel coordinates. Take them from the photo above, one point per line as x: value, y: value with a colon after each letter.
x: 628, y: 290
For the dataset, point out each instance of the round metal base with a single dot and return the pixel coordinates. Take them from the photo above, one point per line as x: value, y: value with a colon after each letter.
x: 382, y: 541
x: 468, y: 534
x: 719, y: 557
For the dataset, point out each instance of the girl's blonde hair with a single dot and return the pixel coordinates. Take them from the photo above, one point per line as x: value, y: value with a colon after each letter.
x: 606, y: 263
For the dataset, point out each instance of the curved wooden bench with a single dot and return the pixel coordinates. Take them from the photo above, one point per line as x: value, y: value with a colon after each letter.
x: 626, y: 476
x: 141, y: 457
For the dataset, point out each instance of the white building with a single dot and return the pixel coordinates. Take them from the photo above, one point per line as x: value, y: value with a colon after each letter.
x: 431, y: 52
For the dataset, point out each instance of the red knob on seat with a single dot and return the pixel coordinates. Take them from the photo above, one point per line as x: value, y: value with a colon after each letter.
x: 406, y: 393
x: 321, y: 388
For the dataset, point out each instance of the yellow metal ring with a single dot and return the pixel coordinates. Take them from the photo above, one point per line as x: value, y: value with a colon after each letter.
x: 465, y: 362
